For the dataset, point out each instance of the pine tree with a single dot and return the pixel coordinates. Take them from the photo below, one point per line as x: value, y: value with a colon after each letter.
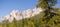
x: 48, y: 6
x: 14, y: 23
x: 49, y: 11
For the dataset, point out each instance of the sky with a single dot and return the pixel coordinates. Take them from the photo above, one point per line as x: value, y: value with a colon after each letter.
x: 6, y: 6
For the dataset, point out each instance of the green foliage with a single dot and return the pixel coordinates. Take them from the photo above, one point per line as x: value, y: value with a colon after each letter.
x: 46, y: 3
x: 14, y: 23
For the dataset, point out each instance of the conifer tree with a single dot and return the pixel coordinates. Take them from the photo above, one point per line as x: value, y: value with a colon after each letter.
x: 14, y: 23
x: 48, y: 6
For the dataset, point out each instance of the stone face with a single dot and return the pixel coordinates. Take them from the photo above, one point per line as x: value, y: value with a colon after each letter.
x: 27, y: 13
x: 21, y: 15
x: 36, y: 11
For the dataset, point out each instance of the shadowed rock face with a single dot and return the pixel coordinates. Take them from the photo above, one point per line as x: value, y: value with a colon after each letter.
x: 18, y: 15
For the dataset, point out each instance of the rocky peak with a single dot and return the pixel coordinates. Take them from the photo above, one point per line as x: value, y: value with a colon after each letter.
x: 18, y: 15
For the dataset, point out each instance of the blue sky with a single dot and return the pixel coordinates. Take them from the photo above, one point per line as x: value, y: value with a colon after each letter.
x: 6, y: 6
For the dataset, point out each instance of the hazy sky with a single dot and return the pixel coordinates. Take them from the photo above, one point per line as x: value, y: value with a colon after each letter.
x: 6, y: 6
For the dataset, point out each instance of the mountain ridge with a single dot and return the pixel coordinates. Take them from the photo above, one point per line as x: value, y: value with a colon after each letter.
x: 18, y: 15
